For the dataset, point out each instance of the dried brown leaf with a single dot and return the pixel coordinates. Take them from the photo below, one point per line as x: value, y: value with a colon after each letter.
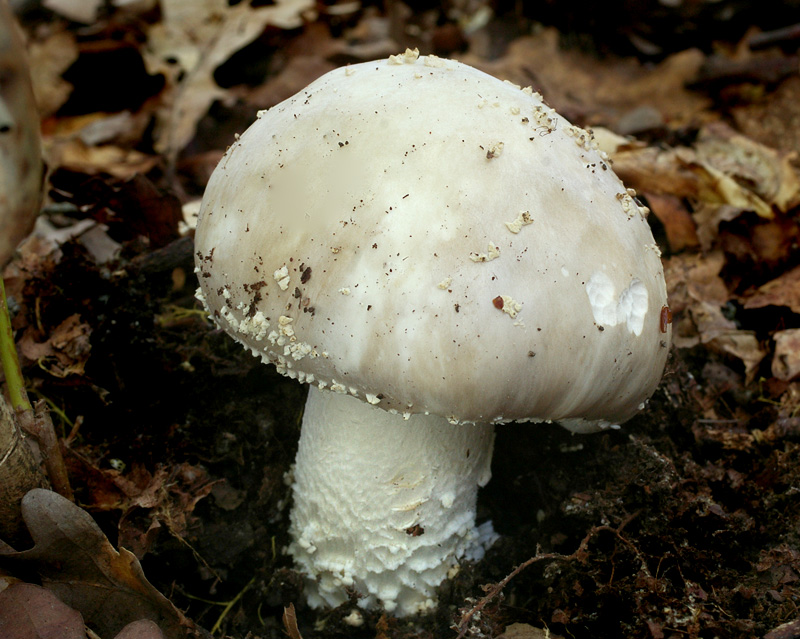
x: 786, y: 359
x: 697, y: 294
x: 743, y: 345
x: 76, y: 155
x: 50, y: 57
x: 774, y: 121
x: 170, y: 496
x: 708, y: 217
x: 682, y: 172
x: 760, y: 243
x: 782, y: 291
x: 524, y: 631
x: 290, y: 622
x: 722, y: 175
x: 84, y: 11
x: 190, y: 42
x: 693, y: 278
x: 28, y: 611
x: 299, y: 72
x: 765, y: 171
x: 704, y: 323
x: 142, y: 629
x: 79, y: 565
x: 678, y: 223
x: 590, y: 90
x: 66, y: 350
x: 147, y: 210
x: 149, y: 502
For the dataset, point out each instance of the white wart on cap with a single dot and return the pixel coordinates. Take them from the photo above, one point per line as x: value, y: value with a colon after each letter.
x: 431, y: 240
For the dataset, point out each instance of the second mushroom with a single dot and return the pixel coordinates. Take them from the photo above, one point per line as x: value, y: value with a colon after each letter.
x: 433, y: 251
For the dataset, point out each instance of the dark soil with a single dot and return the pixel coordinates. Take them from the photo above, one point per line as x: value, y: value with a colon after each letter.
x: 674, y: 526
x: 671, y: 526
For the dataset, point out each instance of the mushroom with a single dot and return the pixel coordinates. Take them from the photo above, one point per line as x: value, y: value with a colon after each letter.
x: 20, y: 153
x: 433, y: 251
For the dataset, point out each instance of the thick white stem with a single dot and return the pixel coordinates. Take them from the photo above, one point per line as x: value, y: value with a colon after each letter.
x: 383, y: 505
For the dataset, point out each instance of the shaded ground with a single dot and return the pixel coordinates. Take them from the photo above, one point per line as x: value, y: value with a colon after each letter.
x: 683, y: 524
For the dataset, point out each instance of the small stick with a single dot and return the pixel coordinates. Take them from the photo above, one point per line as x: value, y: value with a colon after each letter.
x: 777, y: 36
x: 37, y: 422
x: 495, y: 589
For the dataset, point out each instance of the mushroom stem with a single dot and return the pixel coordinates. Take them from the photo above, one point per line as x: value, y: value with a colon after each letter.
x: 384, y: 506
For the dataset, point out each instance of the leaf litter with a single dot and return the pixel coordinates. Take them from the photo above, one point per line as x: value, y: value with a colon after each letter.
x: 684, y: 523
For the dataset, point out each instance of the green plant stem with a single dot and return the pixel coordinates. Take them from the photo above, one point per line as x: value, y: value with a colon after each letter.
x: 9, y: 359
x: 230, y: 605
x: 227, y: 605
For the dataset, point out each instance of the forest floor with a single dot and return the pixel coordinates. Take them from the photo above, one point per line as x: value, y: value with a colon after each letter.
x: 685, y: 523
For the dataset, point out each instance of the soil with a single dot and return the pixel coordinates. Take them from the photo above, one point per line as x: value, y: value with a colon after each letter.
x: 671, y: 526
x: 683, y: 523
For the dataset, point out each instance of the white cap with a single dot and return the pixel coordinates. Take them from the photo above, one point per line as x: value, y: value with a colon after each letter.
x: 430, y: 239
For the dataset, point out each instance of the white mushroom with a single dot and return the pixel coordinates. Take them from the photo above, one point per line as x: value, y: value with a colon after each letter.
x: 397, y: 164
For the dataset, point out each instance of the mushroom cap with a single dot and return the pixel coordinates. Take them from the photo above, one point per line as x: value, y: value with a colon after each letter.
x: 432, y: 239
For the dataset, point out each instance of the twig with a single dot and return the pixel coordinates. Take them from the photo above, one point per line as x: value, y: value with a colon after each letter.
x: 771, y: 38
x: 497, y: 588
x: 717, y: 71
x: 37, y: 422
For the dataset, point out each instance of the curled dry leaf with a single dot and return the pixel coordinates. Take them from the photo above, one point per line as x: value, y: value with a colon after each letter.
x: 188, y: 45
x: 290, y: 622
x: 684, y: 173
x: 79, y: 565
x: 782, y: 291
x: 98, y: 143
x: 722, y: 175
x: 743, y: 345
x: 149, y: 502
x: 678, y: 223
x: 786, y: 359
x: 50, y: 57
x: 697, y: 294
x: 695, y: 278
x: 765, y: 171
x: 707, y: 217
x: 170, y: 495
x: 65, y: 351
x: 120, y: 162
